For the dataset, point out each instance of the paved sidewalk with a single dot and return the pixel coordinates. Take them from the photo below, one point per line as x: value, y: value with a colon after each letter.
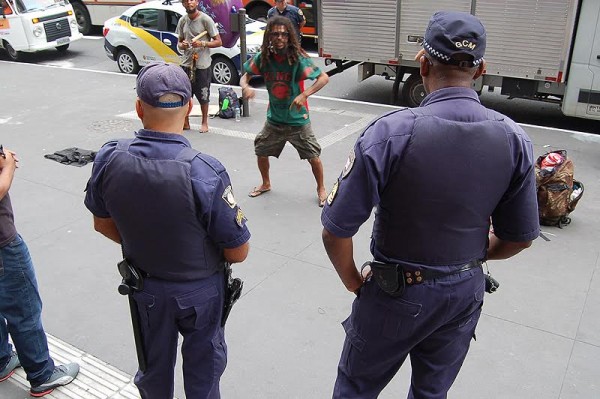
x: 538, y: 336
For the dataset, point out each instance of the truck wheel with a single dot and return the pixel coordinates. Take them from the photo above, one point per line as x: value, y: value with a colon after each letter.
x: 413, y: 90
x: 259, y: 12
x: 127, y: 62
x: 82, y: 16
x: 13, y: 54
x: 224, y: 72
x: 63, y: 48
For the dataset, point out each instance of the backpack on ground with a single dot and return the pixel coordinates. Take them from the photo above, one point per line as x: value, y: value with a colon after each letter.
x: 228, y: 102
x: 557, y: 192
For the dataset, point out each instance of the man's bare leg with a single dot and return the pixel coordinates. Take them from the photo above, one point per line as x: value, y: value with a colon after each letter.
x: 204, y: 109
x: 317, y: 169
x: 263, y: 167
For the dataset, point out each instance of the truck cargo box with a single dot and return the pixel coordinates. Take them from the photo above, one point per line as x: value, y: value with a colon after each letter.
x: 528, y: 39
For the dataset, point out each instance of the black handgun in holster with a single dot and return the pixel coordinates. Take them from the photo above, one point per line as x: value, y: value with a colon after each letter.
x: 389, y: 277
x: 132, y: 281
x: 233, y: 291
x: 491, y: 284
x: 132, y: 278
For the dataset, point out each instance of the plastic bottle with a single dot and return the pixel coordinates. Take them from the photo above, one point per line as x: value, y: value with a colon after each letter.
x: 238, y: 114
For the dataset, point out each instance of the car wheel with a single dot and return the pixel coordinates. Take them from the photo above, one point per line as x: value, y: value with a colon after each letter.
x: 259, y: 13
x: 63, y: 48
x: 224, y: 72
x: 13, y: 54
x: 413, y: 90
x: 82, y: 16
x: 127, y: 62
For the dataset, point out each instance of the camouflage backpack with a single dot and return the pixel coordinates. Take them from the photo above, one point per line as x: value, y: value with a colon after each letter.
x: 557, y: 192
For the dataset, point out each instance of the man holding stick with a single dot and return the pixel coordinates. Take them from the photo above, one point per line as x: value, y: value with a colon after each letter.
x: 197, y: 33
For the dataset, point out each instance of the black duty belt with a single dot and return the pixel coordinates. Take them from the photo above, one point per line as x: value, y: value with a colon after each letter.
x: 392, y: 278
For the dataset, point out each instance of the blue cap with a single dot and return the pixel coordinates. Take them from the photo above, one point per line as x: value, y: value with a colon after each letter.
x: 451, y: 33
x: 159, y: 78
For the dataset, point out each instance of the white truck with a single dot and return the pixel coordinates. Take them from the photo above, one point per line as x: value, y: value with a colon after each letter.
x: 27, y: 26
x: 546, y: 50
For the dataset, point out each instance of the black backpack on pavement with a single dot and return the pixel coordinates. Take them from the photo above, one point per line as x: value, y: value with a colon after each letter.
x: 228, y: 102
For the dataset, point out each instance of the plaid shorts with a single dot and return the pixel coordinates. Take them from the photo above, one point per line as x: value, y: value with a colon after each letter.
x: 272, y: 138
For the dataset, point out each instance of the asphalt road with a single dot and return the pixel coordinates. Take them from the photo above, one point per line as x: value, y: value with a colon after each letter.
x: 89, y: 54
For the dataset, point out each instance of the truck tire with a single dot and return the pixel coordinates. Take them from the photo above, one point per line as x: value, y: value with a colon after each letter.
x: 259, y: 12
x: 224, y: 72
x: 82, y: 16
x: 63, y: 48
x: 13, y: 54
x: 413, y: 90
x: 126, y: 62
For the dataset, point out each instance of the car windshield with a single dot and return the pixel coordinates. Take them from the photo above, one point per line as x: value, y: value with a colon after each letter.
x: 37, y: 5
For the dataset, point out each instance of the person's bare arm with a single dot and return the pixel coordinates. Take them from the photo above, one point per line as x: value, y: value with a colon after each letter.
x: 237, y: 254
x: 8, y: 164
x: 247, y: 90
x: 214, y: 43
x: 300, y: 100
x: 108, y: 228
x: 502, y: 249
x: 340, y: 252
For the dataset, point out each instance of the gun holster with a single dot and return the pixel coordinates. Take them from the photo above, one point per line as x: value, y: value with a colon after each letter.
x: 389, y: 277
x: 132, y: 278
x: 233, y: 291
x: 491, y: 284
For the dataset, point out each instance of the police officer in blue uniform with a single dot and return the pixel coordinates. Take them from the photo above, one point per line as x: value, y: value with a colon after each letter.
x: 438, y: 175
x: 173, y: 211
x: 292, y: 13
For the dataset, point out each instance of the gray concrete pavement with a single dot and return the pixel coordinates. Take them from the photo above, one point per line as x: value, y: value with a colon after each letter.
x: 538, y: 336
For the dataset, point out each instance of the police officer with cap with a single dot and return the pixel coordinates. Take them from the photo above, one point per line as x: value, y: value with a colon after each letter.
x: 173, y: 211
x: 440, y: 176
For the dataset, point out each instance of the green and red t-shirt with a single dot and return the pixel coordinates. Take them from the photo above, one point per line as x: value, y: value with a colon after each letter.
x: 284, y: 83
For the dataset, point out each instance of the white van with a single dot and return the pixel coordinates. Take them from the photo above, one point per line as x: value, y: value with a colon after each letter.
x: 27, y: 26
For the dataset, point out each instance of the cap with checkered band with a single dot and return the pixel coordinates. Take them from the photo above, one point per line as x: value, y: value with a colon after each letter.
x: 451, y: 35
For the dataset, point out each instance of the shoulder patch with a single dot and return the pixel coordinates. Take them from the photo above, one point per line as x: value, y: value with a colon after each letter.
x: 240, y: 218
x: 349, y: 164
x: 333, y: 193
x: 228, y: 197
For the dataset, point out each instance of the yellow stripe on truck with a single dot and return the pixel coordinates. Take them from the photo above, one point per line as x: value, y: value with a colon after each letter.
x: 164, y: 51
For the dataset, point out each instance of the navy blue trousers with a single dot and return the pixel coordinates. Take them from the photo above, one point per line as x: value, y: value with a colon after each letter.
x: 433, y: 322
x: 192, y: 309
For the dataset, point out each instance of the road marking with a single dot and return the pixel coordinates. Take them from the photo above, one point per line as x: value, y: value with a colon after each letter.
x: 573, y: 132
x: 326, y: 141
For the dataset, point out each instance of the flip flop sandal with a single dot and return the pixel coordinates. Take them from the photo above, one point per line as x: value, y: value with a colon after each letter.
x: 256, y: 192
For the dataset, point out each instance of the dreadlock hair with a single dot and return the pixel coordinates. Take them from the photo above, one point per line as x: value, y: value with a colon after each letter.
x: 294, y: 51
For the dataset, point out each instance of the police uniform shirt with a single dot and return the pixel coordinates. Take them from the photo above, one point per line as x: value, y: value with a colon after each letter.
x: 436, y: 173
x: 151, y: 239
x: 292, y: 13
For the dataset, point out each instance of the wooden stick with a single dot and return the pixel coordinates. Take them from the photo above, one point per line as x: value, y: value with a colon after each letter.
x: 199, y: 36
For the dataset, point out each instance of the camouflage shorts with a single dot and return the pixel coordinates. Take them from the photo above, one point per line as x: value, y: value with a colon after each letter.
x: 272, y: 138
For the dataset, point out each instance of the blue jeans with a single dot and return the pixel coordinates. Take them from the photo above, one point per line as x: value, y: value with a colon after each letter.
x: 20, y: 313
